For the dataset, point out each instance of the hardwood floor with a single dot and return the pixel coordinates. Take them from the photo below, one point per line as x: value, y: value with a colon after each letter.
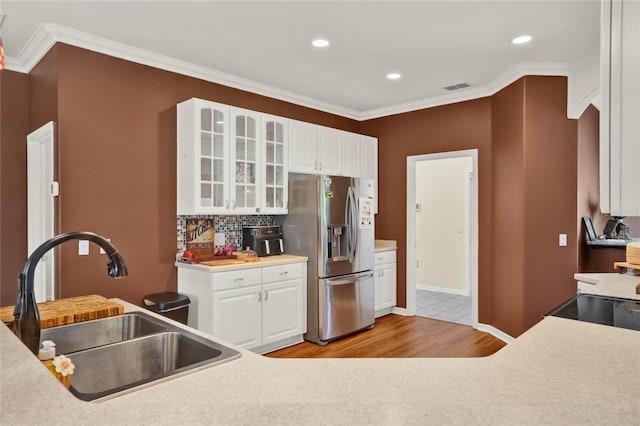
x: 396, y: 336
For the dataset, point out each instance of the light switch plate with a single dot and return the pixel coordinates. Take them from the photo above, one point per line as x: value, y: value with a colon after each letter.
x: 562, y: 240
x: 83, y: 248
x: 219, y: 239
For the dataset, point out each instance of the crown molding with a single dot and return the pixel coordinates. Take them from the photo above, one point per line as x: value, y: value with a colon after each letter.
x: 33, y: 51
x: 488, y: 89
x: 48, y: 34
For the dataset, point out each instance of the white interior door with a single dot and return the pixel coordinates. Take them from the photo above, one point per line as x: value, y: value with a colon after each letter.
x: 41, y: 188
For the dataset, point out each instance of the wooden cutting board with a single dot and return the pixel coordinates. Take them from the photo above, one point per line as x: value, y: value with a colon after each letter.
x: 70, y: 310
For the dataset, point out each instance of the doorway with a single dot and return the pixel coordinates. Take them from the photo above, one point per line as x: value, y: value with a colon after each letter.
x: 41, y: 190
x: 442, y: 236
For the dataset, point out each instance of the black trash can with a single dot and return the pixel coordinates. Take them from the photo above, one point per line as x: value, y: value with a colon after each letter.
x: 170, y: 305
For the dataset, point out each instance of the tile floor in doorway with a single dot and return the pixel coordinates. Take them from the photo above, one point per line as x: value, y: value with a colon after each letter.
x: 443, y: 306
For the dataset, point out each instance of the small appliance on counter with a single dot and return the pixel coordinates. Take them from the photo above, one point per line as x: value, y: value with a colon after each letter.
x: 264, y: 240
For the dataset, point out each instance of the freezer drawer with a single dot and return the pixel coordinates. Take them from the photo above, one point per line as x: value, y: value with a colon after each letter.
x: 347, y: 304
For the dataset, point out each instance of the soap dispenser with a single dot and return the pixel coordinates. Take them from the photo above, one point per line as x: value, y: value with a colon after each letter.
x: 46, y: 354
x: 60, y: 366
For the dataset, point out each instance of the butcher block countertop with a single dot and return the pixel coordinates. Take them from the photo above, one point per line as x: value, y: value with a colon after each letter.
x: 385, y: 245
x: 70, y: 310
x: 281, y: 259
x: 560, y: 371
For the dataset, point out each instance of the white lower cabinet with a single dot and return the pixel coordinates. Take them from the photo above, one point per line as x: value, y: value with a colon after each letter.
x: 282, y: 311
x: 262, y: 309
x: 385, y: 282
x: 237, y: 316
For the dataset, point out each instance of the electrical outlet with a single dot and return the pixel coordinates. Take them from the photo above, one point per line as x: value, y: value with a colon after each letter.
x: 83, y: 248
x: 562, y: 240
x: 219, y: 239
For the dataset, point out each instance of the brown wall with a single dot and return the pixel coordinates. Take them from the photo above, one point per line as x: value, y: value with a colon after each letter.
x: 527, y: 179
x: 455, y: 127
x: 508, y: 229
x: 116, y: 161
x: 13, y: 181
x: 117, y: 152
x: 551, y: 153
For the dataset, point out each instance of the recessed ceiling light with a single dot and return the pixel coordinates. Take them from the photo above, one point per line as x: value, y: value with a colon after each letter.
x: 393, y: 76
x: 320, y: 42
x: 521, y: 39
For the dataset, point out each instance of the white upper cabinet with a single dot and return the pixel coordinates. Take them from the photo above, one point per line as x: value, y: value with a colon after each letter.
x: 237, y: 161
x: 314, y: 149
x: 620, y: 111
x: 329, y: 151
x: 303, y: 147
x: 275, y: 182
x: 245, y: 161
x: 203, y: 157
x: 351, y: 154
x: 218, y: 159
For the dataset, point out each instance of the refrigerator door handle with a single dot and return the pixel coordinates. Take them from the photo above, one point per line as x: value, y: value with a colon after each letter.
x: 352, y: 222
x: 351, y: 280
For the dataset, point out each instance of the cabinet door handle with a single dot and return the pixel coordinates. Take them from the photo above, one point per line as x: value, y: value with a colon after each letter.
x: 286, y: 204
x: 259, y: 296
x: 284, y: 273
x: 233, y: 204
x: 315, y: 165
x: 266, y: 295
x: 238, y: 279
x: 320, y: 165
x: 226, y: 203
x: 382, y: 271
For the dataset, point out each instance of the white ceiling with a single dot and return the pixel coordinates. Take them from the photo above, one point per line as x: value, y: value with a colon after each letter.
x: 265, y: 46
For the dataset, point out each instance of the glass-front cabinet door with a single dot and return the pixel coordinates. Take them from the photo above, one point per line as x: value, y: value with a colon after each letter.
x: 203, y: 152
x: 214, y: 188
x: 245, y: 154
x: 274, y: 160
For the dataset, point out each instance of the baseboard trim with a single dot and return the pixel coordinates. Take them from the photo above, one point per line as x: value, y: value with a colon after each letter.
x: 278, y: 345
x: 499, y: 334
x: 443, y: 290
x: 400, y: 311
x: 384, y: 311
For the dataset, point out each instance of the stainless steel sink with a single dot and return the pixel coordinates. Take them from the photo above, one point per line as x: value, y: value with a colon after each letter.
x: 90, y: 334
x: 118, y: 355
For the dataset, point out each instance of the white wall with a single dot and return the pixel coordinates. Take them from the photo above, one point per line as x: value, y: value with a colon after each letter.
x: 441, y: 228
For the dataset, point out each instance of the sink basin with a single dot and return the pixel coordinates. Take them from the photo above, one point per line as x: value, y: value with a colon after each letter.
x: 90, y: 334
x: 118, y: 355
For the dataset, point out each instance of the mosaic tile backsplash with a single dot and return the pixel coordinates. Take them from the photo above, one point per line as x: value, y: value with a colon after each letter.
x: 230, y: 225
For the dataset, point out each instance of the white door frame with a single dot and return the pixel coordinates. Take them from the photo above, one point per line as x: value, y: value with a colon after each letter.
x: 41, y: 190
x: 411, y: 227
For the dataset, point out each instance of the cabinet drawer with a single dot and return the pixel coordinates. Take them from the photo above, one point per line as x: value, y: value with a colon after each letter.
x: 385, y: 257
x: 272, y: 274
x: 236, y: 279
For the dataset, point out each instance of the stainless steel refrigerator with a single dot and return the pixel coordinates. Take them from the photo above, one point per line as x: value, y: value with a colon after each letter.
x: 331, y: 221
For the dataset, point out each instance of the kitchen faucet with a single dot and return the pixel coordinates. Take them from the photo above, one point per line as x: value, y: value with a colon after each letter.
x: 26, y: 323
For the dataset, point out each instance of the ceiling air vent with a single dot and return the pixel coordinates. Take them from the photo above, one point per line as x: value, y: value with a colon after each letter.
x: 457, y: 86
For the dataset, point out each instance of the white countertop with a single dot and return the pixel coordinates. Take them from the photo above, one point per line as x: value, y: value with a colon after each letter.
x: 609, y: 284
x: 281, y: 259
x: 559, y: 372
x: 385, y: 245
